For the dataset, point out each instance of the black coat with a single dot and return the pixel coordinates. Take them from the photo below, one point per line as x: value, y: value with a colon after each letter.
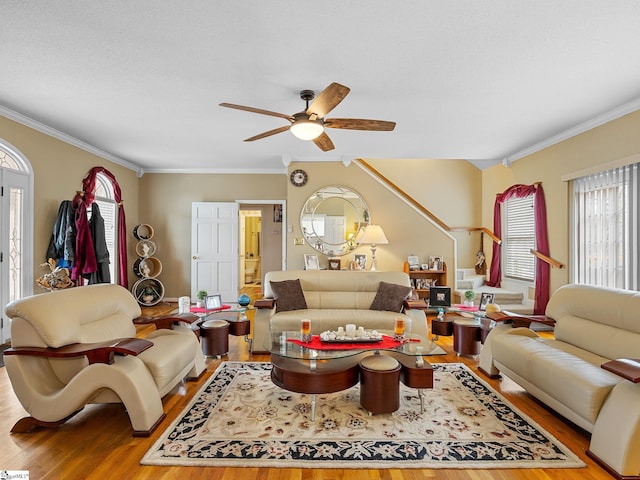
x: 62, y: 245
x: 96, y: 226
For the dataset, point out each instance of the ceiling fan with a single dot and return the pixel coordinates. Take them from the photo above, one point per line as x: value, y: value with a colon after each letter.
x: 310, y: 124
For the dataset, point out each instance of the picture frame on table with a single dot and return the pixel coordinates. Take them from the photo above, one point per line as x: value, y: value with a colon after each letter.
x: 361, y: 261
x: 334, y: 264
x: 311, y: 261
x: 440, y: 297
x: 485, y: 299
x: 212, y: 302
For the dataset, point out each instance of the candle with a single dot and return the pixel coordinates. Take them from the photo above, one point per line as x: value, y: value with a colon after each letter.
x: 351, y: 330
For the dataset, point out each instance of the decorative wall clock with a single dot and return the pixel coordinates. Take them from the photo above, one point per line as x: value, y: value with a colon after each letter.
x: 298, y: 177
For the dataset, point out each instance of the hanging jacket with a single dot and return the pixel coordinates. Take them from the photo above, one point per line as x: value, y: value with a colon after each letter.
x: 63, y: 239
x: 96, y: 227
x: 85, y: 257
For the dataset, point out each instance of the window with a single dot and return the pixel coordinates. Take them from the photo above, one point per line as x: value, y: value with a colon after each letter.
x: 605, y: 236
x: 519, y: 238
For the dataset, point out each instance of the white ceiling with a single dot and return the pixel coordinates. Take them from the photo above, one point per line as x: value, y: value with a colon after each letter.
x: 482, y: 80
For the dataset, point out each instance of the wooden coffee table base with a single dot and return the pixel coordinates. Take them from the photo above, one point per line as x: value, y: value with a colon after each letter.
x: 329, y: 376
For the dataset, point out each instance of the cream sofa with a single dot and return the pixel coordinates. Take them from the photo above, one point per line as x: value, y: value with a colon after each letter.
x: 333, y: 299
x: 77, y: 346
x: 593, y: 326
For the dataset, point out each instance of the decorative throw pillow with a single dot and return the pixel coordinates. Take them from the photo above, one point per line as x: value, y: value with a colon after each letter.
x: 288, y: 295
x: 390, y: 297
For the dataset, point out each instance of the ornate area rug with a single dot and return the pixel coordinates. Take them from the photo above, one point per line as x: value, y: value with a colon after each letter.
x: 240, y: 418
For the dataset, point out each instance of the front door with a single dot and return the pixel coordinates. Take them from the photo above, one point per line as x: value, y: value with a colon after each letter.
x: 214, y: 249
x: 13, y: 239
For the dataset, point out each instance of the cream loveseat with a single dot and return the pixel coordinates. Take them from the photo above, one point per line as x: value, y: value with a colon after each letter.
x: 332, y: 299
x: 593, y: 327
x: 77, y: 346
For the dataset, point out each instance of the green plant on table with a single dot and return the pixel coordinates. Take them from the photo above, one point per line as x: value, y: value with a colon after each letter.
x: 469, y: 295
x: 201, y: 295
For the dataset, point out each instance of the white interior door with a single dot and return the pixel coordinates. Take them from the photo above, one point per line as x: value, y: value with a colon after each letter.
x: 214, y: 249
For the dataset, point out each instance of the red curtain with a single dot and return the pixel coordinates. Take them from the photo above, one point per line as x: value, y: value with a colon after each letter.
x: 84, y: 261
x: 542, y: 270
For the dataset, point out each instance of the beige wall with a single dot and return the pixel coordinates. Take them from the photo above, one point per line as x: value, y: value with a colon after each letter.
x: 450, y: 189
x: 407, y: 231
x: 613, y: 141
x: 58, y: 172
x: 165, y: 204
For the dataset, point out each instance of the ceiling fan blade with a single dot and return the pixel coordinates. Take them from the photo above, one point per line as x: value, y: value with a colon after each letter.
x: 328, y: 99
x: 359, y: 124
x: 257, y: 110
x: 324, y: 142
x: 268, y: 134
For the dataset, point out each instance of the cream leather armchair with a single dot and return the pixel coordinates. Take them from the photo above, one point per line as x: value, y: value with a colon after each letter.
x: 77, y: 346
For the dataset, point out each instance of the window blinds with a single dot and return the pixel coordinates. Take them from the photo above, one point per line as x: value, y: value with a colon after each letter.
x: 519, y: 238
x: 606, y: 228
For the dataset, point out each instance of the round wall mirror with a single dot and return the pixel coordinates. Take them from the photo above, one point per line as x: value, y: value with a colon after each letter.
x: 331, y: 219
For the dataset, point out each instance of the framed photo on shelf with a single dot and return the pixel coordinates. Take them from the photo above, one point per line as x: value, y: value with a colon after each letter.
x: 212, y: 302
x: 311, y: 261
x: 485, y: 299
x: 334, y: 264
x: 414, y: 262
x: 435, y: 263
x: 361, y: 261
x: 440, y: 297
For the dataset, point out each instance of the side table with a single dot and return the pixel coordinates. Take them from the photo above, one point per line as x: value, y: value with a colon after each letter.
x: 442, y: 328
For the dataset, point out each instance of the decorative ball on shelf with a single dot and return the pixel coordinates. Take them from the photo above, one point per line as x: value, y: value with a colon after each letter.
x: 492, y: 308
x: 244, y: 300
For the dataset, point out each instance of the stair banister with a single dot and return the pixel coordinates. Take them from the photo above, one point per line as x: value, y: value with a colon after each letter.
x: 549, y: 260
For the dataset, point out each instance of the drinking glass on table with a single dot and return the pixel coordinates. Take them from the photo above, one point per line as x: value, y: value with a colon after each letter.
x: 305, y: 330
x: 398, y: 329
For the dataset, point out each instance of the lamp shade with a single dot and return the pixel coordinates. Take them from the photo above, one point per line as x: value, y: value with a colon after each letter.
x: 372, y: 234
x: 306, y: 129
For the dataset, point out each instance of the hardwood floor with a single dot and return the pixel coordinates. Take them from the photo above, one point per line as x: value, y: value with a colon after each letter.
x: 97, y: 443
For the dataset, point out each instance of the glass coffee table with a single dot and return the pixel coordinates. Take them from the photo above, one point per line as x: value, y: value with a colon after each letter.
x: 297, y: 367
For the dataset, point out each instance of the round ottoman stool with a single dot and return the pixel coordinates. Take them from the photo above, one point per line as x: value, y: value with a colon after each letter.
x: 379, y: 384
x: 466, y: 337
x: 214, y: 335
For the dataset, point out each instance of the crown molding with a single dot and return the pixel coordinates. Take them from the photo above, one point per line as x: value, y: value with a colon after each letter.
x: 594, y: 122
x: 344, y: 159
x: 57, y: 134
x: 222, y: 171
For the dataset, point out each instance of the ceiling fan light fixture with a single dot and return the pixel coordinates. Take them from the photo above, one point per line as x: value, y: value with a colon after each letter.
x: 306, y: 129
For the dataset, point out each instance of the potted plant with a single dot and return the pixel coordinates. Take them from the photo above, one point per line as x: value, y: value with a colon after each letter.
x: 201, y: 295
x: 469, y: 296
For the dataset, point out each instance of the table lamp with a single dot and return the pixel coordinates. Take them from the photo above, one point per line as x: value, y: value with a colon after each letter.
x: 372, y: 235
